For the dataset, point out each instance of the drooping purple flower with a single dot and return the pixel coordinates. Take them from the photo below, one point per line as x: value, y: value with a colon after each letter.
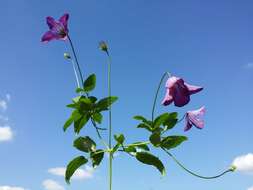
x: 58, y: 29
x: 179, y: 92
x: 194, y: 118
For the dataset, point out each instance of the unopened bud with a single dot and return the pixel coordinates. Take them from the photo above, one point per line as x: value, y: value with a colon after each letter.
x: 232, y: 168
x: 103, y: 46
x: 67, y: 56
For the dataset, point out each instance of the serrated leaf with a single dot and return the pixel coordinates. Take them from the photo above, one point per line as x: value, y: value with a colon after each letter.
x: 150, y: 159
x: 105, y: 103
x: 73, y: 166
x: 97, y: 157
x: 85, y: 144
x: 90, y: 83
x: 68, y: 123
x: 172, y: 141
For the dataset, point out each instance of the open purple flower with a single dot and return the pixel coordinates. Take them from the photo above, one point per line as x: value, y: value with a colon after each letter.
x: 179, y: 92
x: 194, y: 118
x: 58, y: 30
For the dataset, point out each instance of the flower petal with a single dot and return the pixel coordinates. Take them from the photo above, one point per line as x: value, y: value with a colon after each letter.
x: 188, y: 125
x: 193, y: 89
x: 180, y: 93
x: 50, y: 22
x: 64, y: 20
x: 48, y: 36
x: 168, y: 99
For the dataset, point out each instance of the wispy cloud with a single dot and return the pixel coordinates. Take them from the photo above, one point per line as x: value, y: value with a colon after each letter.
x: 244, y: 163
x: 251, y: 188
x: 80, y: 174
x: 248, y: 66
x: 50, y: 184
x: 3, y: 105
x: 6, y: 134
x: 11, y: 188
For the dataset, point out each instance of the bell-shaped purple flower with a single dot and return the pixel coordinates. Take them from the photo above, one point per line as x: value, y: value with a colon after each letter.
x: 58, y: 30
x: 194, y: 118
x: 179, y: 92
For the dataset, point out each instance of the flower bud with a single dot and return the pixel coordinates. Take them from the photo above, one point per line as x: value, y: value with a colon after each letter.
x: 232, y: 168
x: 67, y: 56
x: 103, y: 46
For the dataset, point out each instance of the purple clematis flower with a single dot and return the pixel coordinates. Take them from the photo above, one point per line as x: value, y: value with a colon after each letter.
x: 194, y: 118
x: 179, y: 92
x: 58, y: 30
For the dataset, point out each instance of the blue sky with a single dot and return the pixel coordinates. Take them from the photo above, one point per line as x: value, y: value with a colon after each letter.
x: 208, y: 43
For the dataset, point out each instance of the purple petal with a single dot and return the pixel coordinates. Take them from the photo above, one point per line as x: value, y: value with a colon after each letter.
x: 188, y: 125
x: 168, y: 99
x: 50, y: 22
x: 171, y: 81
x: 193, y: 89
x: 64, y: 20
x: 194, y: 117
x: 180, y: 94
x: 48, y: 36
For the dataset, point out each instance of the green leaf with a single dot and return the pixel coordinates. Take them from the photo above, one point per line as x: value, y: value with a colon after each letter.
x: 142, y: 146
x: 155, y: 139
x: 78, y: 90
x: 160, y: 120
x: 90, y: 83
x: 93, y: 99
x: 98, y: 117
x: 119, y: 138
x: 79, y: 124
x: 115, y: 148
x: 130, y: 149
x: 140, y: 118
x: 97, y: 157
x: 76, y: 115
x: 105, y: 103
x: 73, y: 166
x: 68, y: 123
x: 150, y: 159
x: 172, y: 141
x: 171, y: 121
x: 85, y: 144
x: 76, y: 99
x: 144, y: 126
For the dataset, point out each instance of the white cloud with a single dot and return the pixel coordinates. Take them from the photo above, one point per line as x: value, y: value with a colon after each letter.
x: 6, y: 134
x: 78, y: 175
x: 11, y: 188
x: 244, y: 163
x: 251, y: 188
x: 50, y: 184
x: 3, y: 105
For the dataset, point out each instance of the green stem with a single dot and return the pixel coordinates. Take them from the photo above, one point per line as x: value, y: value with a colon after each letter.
x: 157, y: 91
x: 75, y: 56
x: 110, y: 121
x: 194, y: 174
